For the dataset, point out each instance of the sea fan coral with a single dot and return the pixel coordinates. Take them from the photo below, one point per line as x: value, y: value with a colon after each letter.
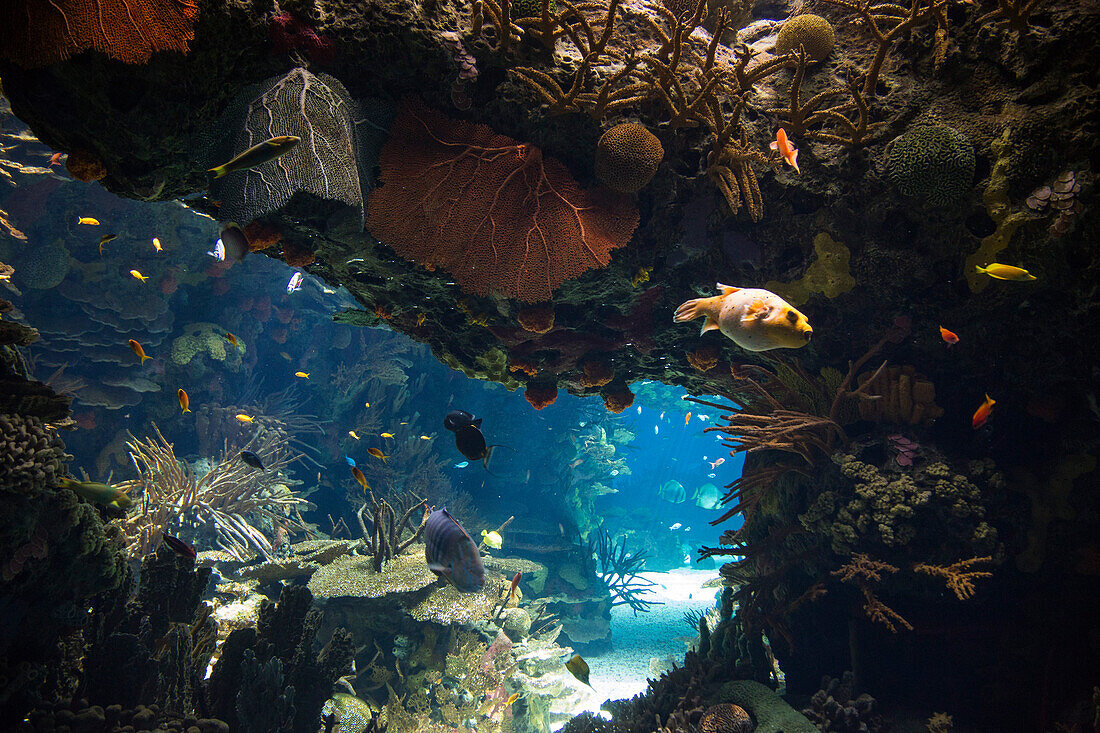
x: 540, y: 395
x: 618, y: 400
x: 36, y: 34
x: 537, y: 318
x: 493, y: 212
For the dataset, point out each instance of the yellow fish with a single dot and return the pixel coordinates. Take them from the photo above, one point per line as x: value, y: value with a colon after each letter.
x: 233, y: 340
x: 512, y: 698
x: 753, y: 318
x: 1005, y: 272
x: 98, y: 493
x: 156, y: 245
x: 578, y: 668
x: 88, y: 220
x: 244, y: 418
x: 377, y: 454
x: 104, y: 239
x: 185, y: 401
x: 687, y: 418
x: 138, y: 275
x: 386, y: 435
x: 136, y: 348
x: 353, y: 434
x: 403, y: 423
x: 302, y: 375
x: 425, y: 437
x: 366, y: 404
x: 491, y: 539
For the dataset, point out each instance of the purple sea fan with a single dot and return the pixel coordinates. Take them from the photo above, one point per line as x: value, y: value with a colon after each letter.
x: 467, y: 69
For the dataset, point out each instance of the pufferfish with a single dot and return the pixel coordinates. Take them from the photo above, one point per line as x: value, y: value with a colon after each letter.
x: 753, y: 318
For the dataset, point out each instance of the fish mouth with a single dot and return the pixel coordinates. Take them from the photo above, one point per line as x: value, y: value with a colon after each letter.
x: 807, y: 335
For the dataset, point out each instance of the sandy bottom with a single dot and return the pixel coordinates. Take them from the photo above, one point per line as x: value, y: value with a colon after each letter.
x: 623, y: 672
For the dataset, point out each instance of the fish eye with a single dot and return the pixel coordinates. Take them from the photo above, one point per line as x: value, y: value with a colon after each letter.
x: 792, y: 316
x: 807, y: 334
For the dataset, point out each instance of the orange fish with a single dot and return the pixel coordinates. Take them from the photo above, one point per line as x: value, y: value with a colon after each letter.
x: 377, y: 454
x: 511, y: 698
x: 55, y: 158
x: 716, y: 464
x: 136, y: 348
x: 950, y: 337
x: 576, y: 463
x: 982, y: 413
x: 233, y: 340
x: 786, y: 149
x: 185, y: 401
x: 359, y: 477
x: 687, y: 418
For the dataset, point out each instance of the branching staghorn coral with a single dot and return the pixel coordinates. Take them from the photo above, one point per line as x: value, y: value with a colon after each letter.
x: 834, y: 123
x: 383, y: 538
x: 172, y: 498
x: 862, y: 571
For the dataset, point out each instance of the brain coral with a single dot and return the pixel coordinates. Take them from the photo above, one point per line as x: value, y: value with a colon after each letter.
x: 43, y: 267
x: 627, y: 157
x: 932, y: 162
x: 529, y: 8
x: 812, y: 32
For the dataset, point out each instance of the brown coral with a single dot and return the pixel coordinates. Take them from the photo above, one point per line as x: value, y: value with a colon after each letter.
x: 297, y: 255
x: 261, y: 236
x: 597, y: 373
x: 85, y: 166
x: 703, y: 358
x: 536, y: 318
x: 897, y: 395
x: 627, y: 157
x: 491, y: 211
x: 520, y: 365
x: 618, y: 400
x: 725, y: 718
x: 540, y: 395
x: 35, y: 34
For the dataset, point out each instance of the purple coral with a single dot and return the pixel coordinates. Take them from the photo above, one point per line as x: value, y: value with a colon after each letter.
x: 904, y: 448
x: 467, y: 69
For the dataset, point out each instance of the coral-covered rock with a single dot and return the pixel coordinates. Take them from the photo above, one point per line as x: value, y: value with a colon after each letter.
x: 618, y: 400
x: 627, y: 157
x: 540, y: 395
x: 536, y: 318
x: 85, y: 166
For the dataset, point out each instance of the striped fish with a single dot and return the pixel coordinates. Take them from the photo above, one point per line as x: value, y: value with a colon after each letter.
x: 451, y: 554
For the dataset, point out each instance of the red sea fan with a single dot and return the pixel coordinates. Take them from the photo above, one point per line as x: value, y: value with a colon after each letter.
x: 494, y: 213
x: 35, y: 33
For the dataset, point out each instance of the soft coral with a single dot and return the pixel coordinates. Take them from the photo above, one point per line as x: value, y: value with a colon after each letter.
x: 289, y: 33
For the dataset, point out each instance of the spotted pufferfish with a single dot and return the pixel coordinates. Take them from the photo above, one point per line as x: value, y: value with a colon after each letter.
x: 753, y: 318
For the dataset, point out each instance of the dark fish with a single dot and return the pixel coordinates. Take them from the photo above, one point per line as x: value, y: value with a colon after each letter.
x: 579, y: 669
x: 468, y: 438
x: 234, y: 242
x: 251, y: 459
x: 258, y: 154
x: 178, y: 546
x: 451, y: 554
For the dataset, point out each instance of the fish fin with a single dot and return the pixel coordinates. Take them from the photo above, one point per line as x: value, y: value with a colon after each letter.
x: 709, y: 324
x: 218, y: 172
x: 477, y: 423
x: 144, y: 358
x: 774, y: 145
x: 489, y: 455
x: 692, y: 309
x: 727, y: 289
x: 794, y: 160
x: 186, y: 409
x: 756, y: 311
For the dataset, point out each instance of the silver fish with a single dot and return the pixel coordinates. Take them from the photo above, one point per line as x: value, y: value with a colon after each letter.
x: 451, y: 554
x: 295, y: 283
x: 218, y: 252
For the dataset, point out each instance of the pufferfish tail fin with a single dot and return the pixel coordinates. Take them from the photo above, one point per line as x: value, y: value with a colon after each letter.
x: 706, y: 307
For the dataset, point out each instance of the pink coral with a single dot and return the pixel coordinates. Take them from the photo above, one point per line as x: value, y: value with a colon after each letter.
x: 289, y: 33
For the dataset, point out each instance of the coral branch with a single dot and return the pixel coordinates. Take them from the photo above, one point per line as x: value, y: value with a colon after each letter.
x: 958, y: 576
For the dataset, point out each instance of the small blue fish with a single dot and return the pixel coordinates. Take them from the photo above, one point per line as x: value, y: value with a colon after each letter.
x: 711, y: 475
x: 451, y: 553
x: 350, y: 460
x: 462, y: 465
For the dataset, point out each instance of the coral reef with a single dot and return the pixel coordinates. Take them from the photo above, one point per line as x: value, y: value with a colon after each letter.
x: 934, y: 163
x: 511, y: 247
x: 627, y: 157
x: 812, y: 32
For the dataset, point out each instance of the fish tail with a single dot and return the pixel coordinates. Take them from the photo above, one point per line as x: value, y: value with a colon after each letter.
x: 699, y: 307
x: 144, y: 357
x: 218, y: 171
x: 186, y: 409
